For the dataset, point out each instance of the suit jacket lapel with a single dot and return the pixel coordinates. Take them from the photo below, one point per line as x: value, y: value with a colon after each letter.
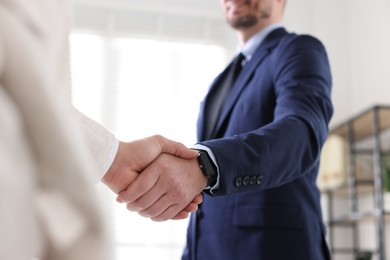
x: 247, y: 71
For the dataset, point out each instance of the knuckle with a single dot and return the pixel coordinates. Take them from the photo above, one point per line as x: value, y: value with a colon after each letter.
x: 142, y: 205
x: 157, y: 219
x: 136, y: 206
x: 149, y: 213
x: 158, y: 138
x: 144, y: 214
x: 130, y: 207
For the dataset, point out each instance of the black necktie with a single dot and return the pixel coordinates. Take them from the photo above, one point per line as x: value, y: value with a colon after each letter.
x: 237, y: 66
x: 217, y: 99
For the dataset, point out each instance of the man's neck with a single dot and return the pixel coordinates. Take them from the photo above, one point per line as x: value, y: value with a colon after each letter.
x: 244, y: 35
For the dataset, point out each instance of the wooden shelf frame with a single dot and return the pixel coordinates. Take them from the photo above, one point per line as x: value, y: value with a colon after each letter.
x: 367, y: 125
x: 363, y: 123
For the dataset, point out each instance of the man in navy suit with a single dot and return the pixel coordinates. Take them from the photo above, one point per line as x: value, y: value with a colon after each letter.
x: 261, y: 129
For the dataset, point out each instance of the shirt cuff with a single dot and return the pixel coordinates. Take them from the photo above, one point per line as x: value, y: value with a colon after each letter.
x: 110, y: 158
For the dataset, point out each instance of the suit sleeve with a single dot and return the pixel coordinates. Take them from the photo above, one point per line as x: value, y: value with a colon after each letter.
x: 288, y: 147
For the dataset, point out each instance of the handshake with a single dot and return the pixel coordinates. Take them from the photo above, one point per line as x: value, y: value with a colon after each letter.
x: 156, y: 177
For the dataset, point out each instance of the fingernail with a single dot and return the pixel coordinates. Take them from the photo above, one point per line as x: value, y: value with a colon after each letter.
x: 119, y: 200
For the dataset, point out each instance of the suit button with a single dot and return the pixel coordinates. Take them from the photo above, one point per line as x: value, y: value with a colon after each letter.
x: 253, y: 180
x: 245, y: 181
x: 260, y: 179
x: 238, y: 182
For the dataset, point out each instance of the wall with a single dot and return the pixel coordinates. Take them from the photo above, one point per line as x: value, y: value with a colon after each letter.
x: 357, y: 35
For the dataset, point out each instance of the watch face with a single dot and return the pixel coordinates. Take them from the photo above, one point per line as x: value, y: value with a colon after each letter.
x: 206, y: 164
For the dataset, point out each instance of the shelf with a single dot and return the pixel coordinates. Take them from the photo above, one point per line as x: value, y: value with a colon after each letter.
x: 352, y: 251
x: 344, y: 251
x: 363, y: 123
x: 362, y: 187
x: 357, y: 217
x: 366, y: 159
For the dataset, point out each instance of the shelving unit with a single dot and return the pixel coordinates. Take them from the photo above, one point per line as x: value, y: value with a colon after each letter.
x: 365, y: 128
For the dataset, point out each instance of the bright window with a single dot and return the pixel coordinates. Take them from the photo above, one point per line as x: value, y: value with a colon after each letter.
x: 137, y: 88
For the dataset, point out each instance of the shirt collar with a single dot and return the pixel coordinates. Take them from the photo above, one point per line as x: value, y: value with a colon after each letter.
x: 251, y: 45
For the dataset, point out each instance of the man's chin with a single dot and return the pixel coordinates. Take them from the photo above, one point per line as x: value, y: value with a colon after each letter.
x: 244, y: 22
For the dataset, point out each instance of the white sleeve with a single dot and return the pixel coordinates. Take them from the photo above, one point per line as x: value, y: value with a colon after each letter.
x: 1, y: 57
x: 102, y: 144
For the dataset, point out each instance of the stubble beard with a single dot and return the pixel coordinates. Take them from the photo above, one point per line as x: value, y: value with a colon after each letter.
x: 244, y: 22
x: 247, y: 21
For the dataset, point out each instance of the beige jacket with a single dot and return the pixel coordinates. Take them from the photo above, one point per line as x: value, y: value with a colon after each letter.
x: 48, y: 209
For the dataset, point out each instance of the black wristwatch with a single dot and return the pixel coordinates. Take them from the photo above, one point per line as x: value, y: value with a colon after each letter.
x: 208, y: 167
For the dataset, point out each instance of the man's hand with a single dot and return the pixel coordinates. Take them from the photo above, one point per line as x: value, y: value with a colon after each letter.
x: 166, y: 187
x: 133, y: 157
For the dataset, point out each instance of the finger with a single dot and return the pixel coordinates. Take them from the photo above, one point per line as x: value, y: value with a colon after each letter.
x: 198, y: 199
x: 160, y: 206
x: 161, y: 212
x: 176, y: 148
x: 191, y: 207
x: 149, y: 204
x: 140, y: 186
x: 169, y: 213
x: 194, y: 204
x: 181, y: 215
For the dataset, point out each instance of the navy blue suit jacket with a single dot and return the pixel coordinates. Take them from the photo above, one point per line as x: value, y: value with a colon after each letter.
x: 267, y: 145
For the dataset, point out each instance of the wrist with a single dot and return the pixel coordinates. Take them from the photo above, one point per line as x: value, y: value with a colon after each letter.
x: 203, y: 180
x: 207, y: 167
